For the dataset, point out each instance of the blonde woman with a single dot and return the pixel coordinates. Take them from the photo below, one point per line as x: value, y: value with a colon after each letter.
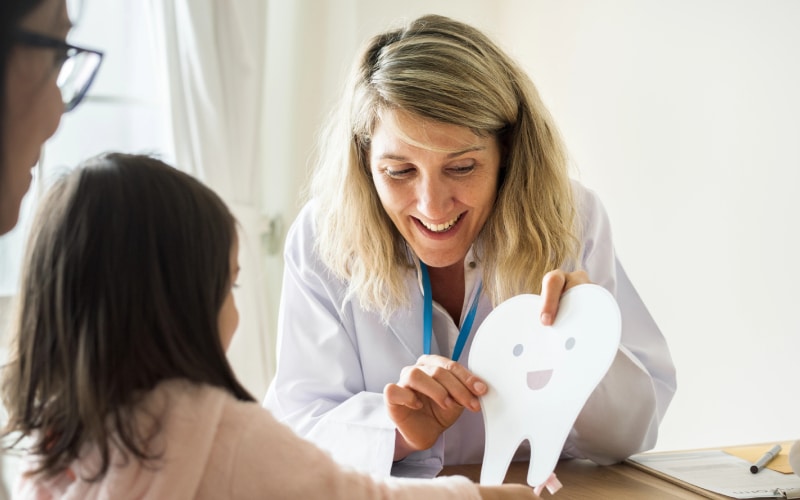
x: 443, y: 172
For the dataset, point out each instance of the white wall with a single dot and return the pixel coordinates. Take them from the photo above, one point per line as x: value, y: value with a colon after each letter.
x: 685, y: 117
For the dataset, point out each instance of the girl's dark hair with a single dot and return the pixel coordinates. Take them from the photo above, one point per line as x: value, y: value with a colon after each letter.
x: 127, y: 269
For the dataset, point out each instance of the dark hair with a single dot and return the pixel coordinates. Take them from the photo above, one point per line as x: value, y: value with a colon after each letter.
x: 126, y: 271
x: 11, y: 13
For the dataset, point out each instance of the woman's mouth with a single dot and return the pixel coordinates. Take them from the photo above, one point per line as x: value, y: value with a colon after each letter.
x: 441, y: 228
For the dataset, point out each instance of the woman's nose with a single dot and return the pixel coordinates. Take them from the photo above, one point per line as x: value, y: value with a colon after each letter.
x: 434, y: 199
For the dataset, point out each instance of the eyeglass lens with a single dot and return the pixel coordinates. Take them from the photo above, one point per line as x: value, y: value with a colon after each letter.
x: 76, y: 76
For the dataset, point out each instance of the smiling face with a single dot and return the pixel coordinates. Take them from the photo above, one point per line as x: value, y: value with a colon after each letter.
x: 436, y: 181
x: 33, y: 106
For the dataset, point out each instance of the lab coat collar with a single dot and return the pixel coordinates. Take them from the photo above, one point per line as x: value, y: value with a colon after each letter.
x: 470, y: 265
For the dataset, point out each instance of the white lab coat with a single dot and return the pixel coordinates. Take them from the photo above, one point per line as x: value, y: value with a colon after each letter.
x: 334, y: 359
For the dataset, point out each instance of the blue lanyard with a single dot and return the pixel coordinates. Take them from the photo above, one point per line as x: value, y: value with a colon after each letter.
x: 427, y: 319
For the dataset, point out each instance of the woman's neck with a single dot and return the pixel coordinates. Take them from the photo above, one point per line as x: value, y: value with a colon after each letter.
x: 447, y: 288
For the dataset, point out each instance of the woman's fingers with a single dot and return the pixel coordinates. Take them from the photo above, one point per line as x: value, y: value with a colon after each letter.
x: 444, y: 381
x: 554, y: 284
x: 428, y: 399
x: 396, y: 395
x: 469, y: 380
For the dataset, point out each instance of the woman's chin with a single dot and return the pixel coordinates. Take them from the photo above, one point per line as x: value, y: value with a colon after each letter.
x: 441, y: 259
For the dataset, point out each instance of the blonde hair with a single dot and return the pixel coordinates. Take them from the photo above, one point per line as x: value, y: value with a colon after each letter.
x: 443, y: 70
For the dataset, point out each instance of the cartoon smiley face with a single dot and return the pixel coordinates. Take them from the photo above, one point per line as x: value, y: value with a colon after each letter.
x: 538, y: 379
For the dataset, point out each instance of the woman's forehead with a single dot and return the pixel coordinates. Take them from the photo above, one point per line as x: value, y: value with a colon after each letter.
x: 49, y: 17
x: 400, y: 127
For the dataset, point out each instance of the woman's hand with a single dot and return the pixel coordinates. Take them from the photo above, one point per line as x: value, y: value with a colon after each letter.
x: 554, y: 284
x: 429, y: 398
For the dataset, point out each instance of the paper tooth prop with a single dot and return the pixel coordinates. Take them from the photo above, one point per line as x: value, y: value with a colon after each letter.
x: 540, y: 377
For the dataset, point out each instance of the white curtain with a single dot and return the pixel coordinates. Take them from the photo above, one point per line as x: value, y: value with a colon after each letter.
x: 215, y: 66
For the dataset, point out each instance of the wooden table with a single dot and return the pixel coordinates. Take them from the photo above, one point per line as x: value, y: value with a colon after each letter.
x: 583, y: 479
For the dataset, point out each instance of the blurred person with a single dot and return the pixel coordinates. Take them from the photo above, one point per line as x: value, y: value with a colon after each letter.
x: 42, y: 77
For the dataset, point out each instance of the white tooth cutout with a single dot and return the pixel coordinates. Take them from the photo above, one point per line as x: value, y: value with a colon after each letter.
x: 513, y: 353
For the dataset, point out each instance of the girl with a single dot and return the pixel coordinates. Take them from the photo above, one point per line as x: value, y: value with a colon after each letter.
x: 118, y: 383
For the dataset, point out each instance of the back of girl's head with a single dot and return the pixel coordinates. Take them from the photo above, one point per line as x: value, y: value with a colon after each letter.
x: 127, y: 269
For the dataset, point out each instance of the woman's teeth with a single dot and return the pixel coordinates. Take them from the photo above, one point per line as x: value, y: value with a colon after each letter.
x: 440, y: 228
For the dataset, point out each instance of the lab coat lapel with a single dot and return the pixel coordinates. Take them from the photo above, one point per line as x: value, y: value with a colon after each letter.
x: 406, y: 323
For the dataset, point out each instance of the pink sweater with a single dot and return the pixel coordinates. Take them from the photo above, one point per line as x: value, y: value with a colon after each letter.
x: 216, y: 447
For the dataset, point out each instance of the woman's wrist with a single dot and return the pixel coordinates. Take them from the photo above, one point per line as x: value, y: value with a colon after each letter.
x: 401, y: 447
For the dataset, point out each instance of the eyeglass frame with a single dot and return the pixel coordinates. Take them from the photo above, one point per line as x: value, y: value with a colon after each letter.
x: 43, y: 41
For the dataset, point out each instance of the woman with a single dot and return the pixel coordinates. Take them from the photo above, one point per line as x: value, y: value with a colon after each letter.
x: 443, y: 166
x: 37, y: 85
x: 131, y: 395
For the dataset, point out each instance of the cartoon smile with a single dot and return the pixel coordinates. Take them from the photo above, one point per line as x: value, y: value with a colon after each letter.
x: 538, y: 379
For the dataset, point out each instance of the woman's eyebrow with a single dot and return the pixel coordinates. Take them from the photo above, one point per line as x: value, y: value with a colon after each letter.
x: 454, y: 154
x: 392, y: 156
x: 465, y: 151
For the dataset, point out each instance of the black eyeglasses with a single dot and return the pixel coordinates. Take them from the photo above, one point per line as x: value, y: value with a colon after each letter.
x: 76, y: 66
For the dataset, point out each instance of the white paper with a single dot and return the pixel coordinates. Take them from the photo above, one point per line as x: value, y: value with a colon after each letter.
x: 720, y: 472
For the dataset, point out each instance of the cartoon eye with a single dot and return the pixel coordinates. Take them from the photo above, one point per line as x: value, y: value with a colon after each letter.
x: 518, y: 349
x: 570, y: 343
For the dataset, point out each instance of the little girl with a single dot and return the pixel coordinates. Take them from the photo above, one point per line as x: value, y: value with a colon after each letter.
x: 118, y: 386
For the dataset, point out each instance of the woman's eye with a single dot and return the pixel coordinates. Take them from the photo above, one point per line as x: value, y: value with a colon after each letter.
x: 462, y: 169
x: 398, y: 173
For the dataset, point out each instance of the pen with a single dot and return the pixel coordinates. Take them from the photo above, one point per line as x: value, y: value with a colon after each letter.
x: 765, y: 459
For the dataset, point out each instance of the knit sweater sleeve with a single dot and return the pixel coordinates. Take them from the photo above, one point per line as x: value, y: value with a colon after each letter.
x: 269, y: 459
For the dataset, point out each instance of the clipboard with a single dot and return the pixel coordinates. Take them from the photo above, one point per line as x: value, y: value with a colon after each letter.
x: 717, y: 474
